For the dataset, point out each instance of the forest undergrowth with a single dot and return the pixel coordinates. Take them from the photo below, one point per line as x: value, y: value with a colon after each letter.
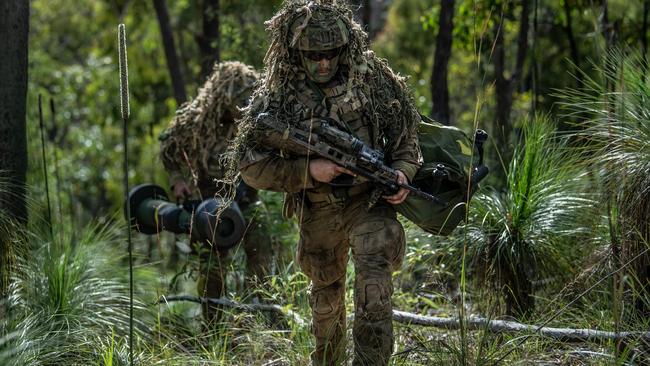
x: 69, y: 305
x: 563, y: 243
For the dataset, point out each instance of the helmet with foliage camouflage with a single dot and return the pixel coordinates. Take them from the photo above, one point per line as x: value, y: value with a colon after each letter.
x: 201, y: 128
x: 318, y: 28
x: 320, y: 35
x: 297, y: 26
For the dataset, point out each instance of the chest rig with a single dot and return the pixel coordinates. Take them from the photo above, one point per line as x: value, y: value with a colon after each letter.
x: 345, y: 107
x: 348, y: 110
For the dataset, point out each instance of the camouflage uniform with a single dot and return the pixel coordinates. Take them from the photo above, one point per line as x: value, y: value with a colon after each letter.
x: 374, y: 105
x: 191, y: 148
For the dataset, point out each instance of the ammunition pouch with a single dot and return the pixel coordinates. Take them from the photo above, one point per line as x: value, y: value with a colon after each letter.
x: 338, y: 194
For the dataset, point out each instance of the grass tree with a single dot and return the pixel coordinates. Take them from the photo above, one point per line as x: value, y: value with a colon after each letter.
x: 67, y: 304
x: 614, y: 121
x: 523, y: 233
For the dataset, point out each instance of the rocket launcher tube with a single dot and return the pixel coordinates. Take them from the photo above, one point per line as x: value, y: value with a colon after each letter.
x: 207, y: 221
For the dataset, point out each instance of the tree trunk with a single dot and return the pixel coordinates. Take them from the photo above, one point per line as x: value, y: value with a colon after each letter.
x: 505, y: 86
x: 644, y: 37
x: 575, y: 54
x: 522, y: 42
x: 178, y: 85
x: 503, y: 94
x: 209, y: 39
x: 439, y: 86
x: 605, y: 27
x: 517, y: 290
x: 14, y: 31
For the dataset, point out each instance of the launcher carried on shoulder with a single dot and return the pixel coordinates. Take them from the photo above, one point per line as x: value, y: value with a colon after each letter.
x: 319, y: 137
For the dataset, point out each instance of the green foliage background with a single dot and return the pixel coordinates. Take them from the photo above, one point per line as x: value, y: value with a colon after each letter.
x: 73, y: 55
x: 556, y: 224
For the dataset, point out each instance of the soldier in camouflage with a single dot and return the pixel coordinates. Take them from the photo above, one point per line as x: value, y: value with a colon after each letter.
x: 318, y: 65
x: 191, y: 149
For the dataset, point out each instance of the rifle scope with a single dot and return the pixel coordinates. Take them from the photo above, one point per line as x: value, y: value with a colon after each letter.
x: 152, y: 212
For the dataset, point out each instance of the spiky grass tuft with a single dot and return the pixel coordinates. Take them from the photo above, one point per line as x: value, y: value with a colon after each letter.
x: 613, y: 120
x: 65, y: 302
x: 520, y: 235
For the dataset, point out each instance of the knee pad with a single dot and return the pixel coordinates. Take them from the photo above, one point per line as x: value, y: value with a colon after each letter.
x: 381, y: 239
x: 328, y: 301
x: 373, y: 300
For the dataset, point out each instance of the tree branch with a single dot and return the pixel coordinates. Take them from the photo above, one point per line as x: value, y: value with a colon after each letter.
x: 473, y: 323
x: 503, y: 326
x: 222, y: 301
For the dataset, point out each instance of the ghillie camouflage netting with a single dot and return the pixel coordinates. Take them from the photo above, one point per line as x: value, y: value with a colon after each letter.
x: 390, y: 110
x: 202, y: 128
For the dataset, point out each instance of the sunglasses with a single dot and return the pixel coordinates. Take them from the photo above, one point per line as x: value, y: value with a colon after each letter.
x: 322, y: 55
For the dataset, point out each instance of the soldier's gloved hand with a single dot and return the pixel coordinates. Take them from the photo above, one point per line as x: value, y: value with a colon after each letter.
x: 181, y: 190
x: 400, y: 196
x: 325, y: 171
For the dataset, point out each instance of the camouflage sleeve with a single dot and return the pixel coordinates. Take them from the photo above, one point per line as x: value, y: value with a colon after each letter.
x: 405, y: 150
x: 398, y: 117
x: 265, y: 170
x: 261, y: 165
x: 168, y: 156
x: 406, y: 156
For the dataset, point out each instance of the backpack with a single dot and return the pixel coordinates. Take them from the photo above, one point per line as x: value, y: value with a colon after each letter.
x: 453, y: 166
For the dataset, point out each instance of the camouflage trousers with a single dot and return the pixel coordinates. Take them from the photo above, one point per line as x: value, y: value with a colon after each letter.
x: 328, y: 232
x: 214, y: 264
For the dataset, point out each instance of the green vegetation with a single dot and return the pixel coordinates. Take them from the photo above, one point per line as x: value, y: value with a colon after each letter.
x: 614, y: 123
x: 527, y: 231
x: 559, y: 234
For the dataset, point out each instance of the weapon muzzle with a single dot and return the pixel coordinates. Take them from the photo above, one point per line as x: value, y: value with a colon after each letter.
x: 223, y: 230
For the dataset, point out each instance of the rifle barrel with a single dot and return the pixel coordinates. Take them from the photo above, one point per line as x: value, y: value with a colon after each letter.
x: 422, y: 194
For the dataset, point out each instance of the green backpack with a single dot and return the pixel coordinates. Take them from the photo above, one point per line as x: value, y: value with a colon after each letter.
x: 451, y: 172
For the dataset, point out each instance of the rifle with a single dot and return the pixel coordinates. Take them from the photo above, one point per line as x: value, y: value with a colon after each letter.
x: 318, y: 136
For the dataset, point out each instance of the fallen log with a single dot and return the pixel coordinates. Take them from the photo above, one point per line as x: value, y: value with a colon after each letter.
x: 472, y: 323
x: 222, y: 301
x: 504, y: 326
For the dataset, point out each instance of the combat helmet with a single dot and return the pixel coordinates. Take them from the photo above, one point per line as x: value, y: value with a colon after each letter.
x: 318, y: 27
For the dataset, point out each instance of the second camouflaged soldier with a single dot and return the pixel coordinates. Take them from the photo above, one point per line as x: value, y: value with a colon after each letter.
x: 191, y: 149
x: 318, y: 66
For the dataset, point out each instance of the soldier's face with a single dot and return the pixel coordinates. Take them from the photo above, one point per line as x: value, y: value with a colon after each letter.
x: 320, y: 66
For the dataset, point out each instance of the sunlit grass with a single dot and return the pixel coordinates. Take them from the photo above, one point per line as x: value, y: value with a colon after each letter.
x: 64, y: 301
x: 612, y: 117
x: 69, y: 305
x: 525, y: 233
